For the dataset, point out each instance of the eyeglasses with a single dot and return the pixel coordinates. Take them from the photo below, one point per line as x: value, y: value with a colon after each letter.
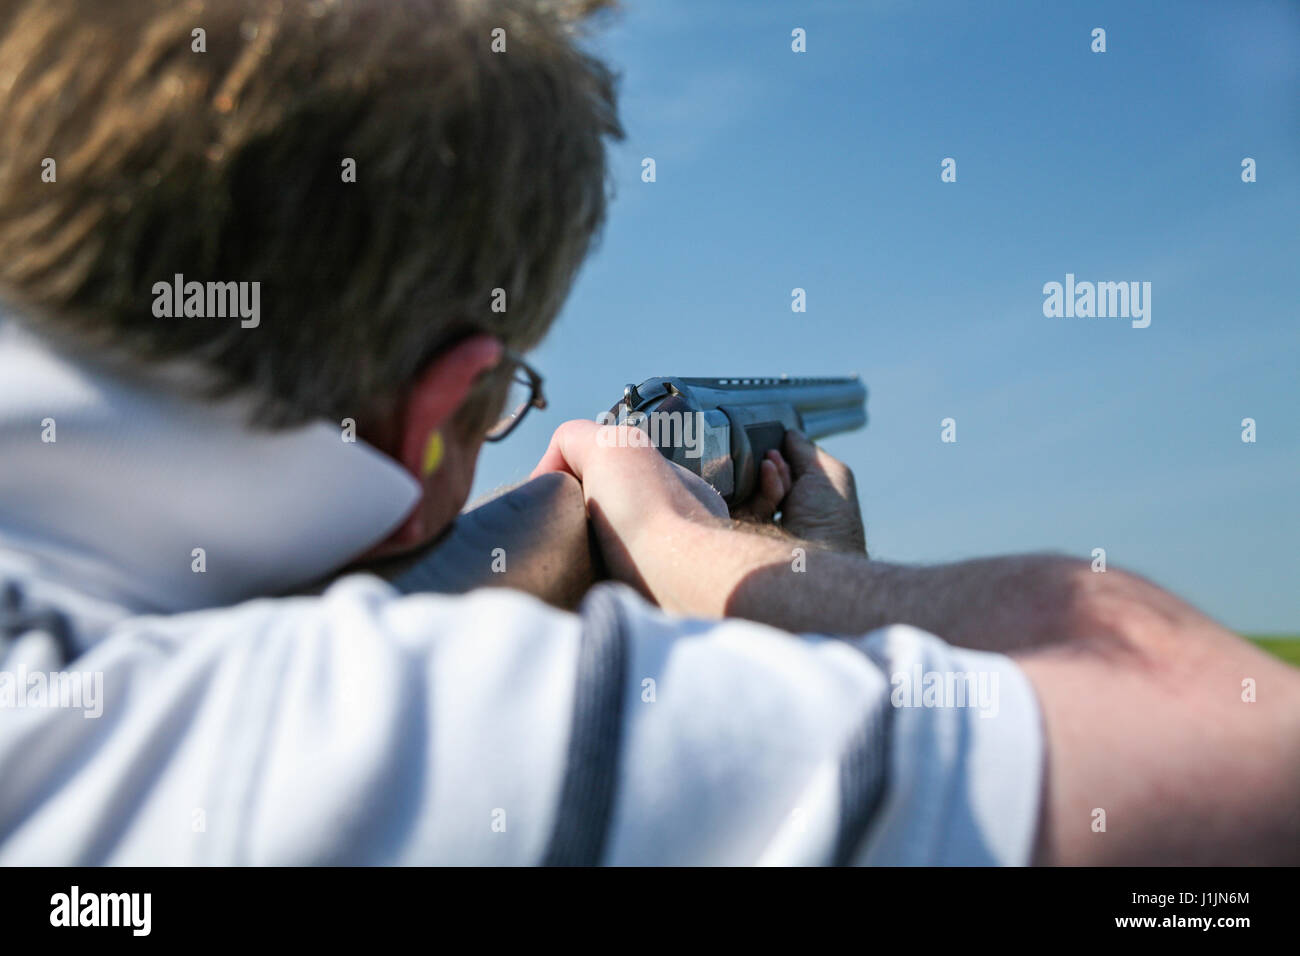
x: 525, y: 393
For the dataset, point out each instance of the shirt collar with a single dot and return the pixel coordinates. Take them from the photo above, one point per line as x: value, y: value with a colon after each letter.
x: 136, y: 480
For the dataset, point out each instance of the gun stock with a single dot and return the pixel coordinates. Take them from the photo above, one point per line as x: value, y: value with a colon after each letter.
x: 545, y: 542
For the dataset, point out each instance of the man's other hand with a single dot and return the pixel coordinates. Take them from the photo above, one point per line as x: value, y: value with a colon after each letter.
x: 821, y: 505
x: 814, y: 493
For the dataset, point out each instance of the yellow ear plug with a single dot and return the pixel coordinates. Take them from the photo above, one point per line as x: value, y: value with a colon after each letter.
x: 432, y: 455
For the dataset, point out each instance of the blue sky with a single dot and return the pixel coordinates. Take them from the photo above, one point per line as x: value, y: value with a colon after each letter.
x: 821, y: 170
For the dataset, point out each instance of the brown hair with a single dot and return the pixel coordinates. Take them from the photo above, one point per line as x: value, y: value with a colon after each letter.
x: 475, y: 170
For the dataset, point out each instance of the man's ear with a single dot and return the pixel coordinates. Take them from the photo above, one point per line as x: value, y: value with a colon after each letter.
x: 436, y: 396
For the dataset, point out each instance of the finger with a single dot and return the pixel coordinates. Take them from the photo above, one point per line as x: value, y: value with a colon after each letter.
x: 839, y: 474
x: 704, y: 492
x: 799, y: 452
x: 783, y: 468
x: 762, y: 504
x: 774, y: 489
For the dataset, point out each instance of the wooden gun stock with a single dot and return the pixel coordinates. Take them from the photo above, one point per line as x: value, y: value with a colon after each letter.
x: 546, y: 547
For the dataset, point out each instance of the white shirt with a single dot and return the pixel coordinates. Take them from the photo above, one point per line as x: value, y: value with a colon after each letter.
x: 368, y: 726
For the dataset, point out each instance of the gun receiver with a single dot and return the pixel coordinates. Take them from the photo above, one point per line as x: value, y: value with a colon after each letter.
x: 720, y: 428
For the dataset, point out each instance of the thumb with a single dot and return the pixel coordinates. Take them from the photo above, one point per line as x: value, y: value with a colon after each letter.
x: 569, y: 449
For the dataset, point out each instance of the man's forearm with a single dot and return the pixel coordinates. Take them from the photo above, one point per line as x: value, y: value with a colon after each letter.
x: 1003, y: 604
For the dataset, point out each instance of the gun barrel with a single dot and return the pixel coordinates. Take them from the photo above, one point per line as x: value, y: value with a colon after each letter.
x: 826, y: 406
x: 823, y: 422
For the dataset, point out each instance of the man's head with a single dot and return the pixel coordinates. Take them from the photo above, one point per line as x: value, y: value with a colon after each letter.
x: 414, y: 183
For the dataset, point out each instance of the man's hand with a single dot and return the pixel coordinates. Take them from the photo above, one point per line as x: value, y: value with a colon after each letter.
x: 814, y: 493
x: 821, y: 505
x: 637, y: 499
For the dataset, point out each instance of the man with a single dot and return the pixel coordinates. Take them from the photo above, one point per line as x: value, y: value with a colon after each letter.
x: 178, y: 472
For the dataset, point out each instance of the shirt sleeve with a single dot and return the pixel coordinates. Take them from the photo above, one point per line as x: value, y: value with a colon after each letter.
x: 743, y: 744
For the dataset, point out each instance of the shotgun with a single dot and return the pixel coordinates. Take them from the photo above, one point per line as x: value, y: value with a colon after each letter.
x: 535, y: 537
